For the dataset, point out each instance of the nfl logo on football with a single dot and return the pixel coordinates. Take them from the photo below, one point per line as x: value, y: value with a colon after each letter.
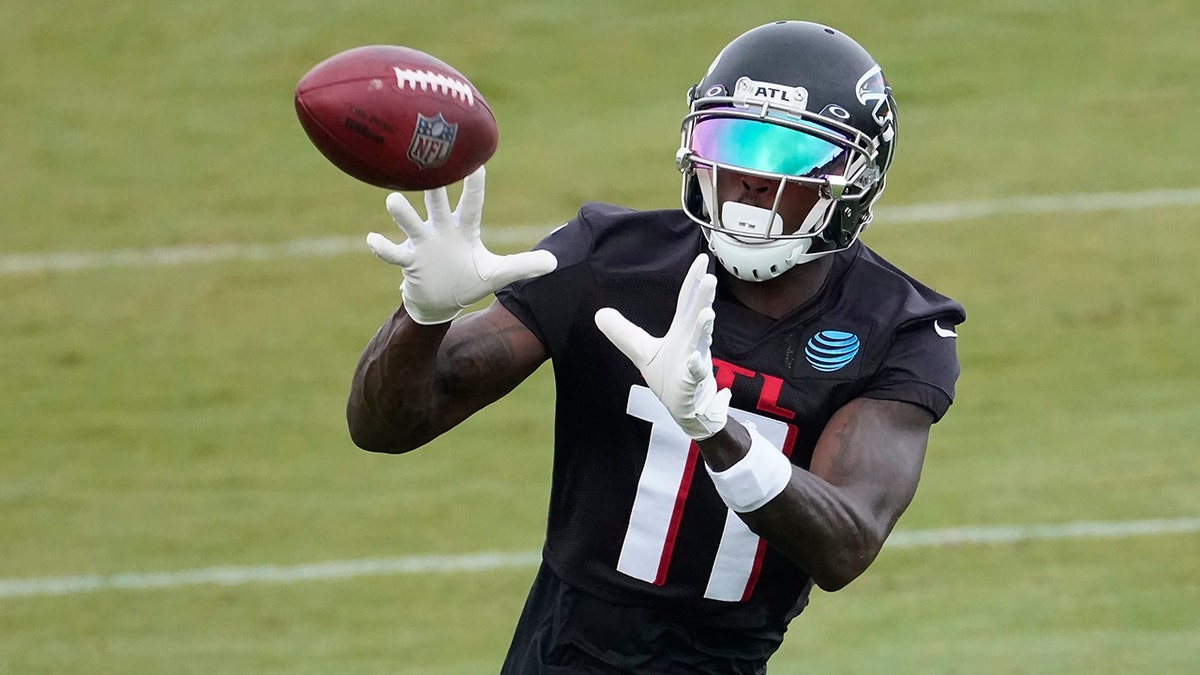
x: 432, y: 141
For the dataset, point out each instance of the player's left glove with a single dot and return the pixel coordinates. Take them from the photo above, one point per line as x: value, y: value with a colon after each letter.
x: 446, y: 266
x: 678, y: 366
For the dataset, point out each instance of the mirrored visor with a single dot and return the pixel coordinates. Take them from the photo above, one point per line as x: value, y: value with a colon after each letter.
x: 766, y: 147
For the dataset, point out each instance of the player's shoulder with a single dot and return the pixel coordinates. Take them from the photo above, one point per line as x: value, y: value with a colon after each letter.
x: 618, y: 238
x: 895, y: 296
x: 610, y: 220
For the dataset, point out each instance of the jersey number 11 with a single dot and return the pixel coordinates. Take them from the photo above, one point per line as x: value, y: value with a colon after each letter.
x: 671, y: 461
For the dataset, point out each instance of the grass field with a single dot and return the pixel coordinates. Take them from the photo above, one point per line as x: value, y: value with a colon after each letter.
x: 164, y: 418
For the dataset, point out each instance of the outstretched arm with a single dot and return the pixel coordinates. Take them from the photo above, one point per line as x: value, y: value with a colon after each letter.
x: 422, y: 374
x: 832, y: 520
x: 415, y: 382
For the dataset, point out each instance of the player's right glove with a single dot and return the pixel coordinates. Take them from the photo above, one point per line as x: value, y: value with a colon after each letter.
x: 446, y: 266
x: 678, y: 366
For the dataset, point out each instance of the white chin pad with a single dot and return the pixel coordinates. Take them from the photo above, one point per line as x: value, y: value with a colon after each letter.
x: 750, y: 221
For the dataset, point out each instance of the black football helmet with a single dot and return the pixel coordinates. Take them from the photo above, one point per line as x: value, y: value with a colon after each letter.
x: 796, y: 102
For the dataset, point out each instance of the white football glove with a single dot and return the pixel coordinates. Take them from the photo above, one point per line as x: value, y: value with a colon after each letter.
x: 678, y: 366
x: 446, y: 266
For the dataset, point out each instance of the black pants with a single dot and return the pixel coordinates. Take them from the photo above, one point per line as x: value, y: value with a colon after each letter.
x: 564, y: 630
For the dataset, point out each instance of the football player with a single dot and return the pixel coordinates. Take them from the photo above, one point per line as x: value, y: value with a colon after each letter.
x: 744, y: 389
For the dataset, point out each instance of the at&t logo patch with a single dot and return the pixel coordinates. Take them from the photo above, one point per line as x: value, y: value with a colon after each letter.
x: 831, y: 350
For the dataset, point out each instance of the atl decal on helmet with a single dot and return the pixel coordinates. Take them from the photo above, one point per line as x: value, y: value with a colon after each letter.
x: 831, y: 350
x: 747, y: 91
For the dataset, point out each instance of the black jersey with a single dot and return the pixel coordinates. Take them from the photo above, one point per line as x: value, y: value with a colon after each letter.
x: 634, y: 518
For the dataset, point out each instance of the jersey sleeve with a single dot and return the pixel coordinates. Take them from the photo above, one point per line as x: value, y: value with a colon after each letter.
x: 921, y: 367
x: 546, y: 304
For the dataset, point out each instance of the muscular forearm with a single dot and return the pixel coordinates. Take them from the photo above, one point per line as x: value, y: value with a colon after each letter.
x: 393, y: 391
x: 811, y: 521
x: 821, y: 529
x: 414, y: 382
x: 832, y: 520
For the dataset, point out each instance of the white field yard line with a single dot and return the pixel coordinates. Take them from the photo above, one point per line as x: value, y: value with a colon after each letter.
x: 169, y: 256
x: 482, y: 562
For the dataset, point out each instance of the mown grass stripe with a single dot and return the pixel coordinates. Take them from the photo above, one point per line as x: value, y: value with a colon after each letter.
x: 482, y: 562
x: 169, y: 256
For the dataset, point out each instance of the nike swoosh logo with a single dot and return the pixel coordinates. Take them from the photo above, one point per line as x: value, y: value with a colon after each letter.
x: 943, y: 332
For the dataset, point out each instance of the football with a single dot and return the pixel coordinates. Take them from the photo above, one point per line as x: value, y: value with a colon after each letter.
x: 396, y: 117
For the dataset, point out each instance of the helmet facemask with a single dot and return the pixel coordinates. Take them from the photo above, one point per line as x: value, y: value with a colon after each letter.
x: 728, y: 135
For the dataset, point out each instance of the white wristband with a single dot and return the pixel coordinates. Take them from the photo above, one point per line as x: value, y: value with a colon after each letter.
x: 756, y: 478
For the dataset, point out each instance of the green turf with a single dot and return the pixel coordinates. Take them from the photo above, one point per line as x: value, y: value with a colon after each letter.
x: 172, y: 418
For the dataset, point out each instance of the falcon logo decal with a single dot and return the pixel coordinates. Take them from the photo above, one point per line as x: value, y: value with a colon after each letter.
x: 872, y: 91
